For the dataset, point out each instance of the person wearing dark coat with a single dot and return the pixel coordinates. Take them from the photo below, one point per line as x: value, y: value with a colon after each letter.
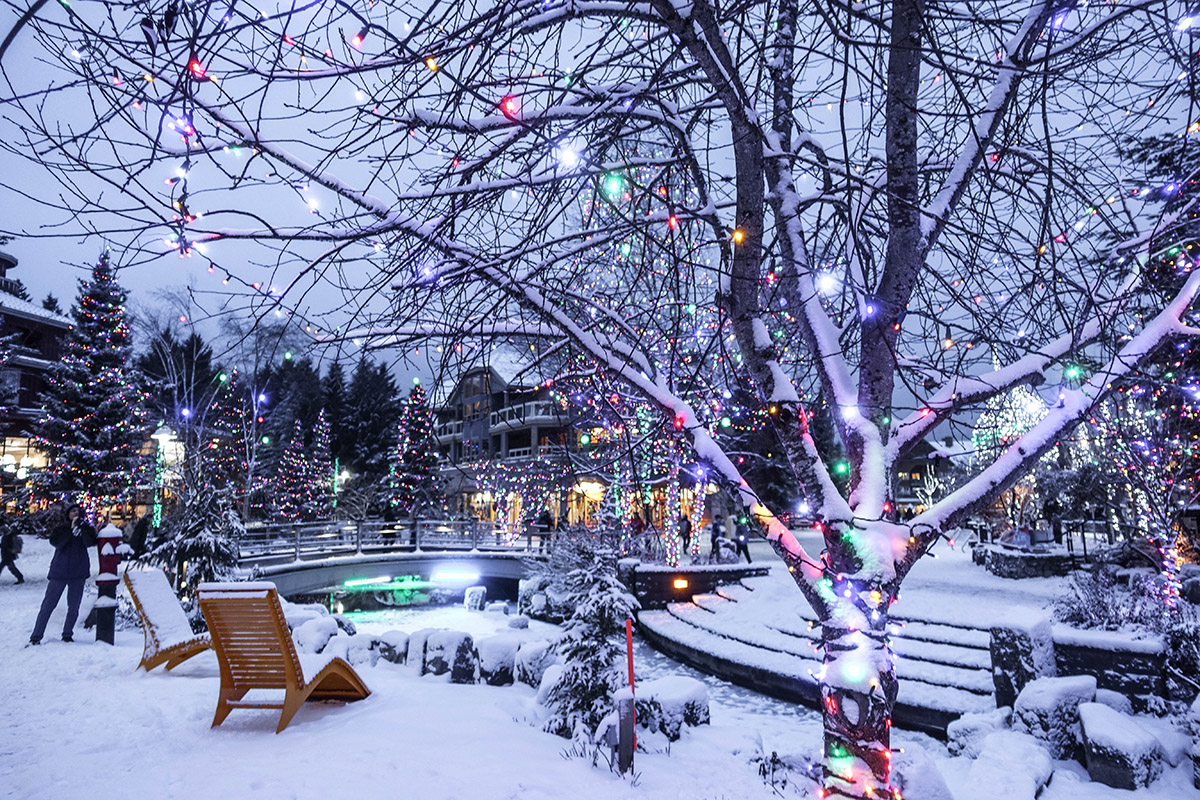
x: 69, y: 569
x: 740, y: 541
x: 9, y: 549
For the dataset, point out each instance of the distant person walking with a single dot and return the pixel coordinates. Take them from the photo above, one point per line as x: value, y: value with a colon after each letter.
x: 10, y: 548
x: 69, y: 569
x: 740, y: 541
x: 685, y: 532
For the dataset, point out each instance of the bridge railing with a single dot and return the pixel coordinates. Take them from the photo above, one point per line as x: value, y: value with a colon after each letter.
x: 315, y: 539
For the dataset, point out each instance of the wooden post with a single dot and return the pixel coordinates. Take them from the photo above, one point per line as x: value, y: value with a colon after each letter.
x: 626, y: 739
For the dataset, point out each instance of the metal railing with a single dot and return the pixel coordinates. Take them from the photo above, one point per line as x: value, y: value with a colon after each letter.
x: 539, y: 409
x: 317, y: 539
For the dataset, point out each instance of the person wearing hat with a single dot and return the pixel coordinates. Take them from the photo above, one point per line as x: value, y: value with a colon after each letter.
x: 69, y: 569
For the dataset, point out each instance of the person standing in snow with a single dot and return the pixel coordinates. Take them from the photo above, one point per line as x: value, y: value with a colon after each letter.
x: 69, y: 569
x: 10, y: 548
x: 740, y: 540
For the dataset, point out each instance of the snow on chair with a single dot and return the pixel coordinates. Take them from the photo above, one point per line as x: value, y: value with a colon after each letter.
x: 168, y: 634
x: 255, y: 650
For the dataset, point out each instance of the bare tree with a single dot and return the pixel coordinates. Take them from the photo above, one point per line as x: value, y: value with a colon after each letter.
x: 907, y: 200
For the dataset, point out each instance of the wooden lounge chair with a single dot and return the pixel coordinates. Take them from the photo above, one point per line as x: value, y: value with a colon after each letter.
x: 168, y: 633
x: 255, y: 650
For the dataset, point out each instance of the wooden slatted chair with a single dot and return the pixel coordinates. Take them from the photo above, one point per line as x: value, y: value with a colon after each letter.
x: 168, y: 634
x: 255, y: 650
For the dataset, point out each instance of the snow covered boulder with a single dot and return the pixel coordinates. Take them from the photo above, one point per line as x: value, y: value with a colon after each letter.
x: 669, y: 703
x: 497, y: 607
x: 453, y: 653
x: 297, y: 614
x: 915, y: 775
x: 1114, y: 700
x: 550, y: 678
x: 497, y: 657
x: 475, y: 598
x: 417, y: 642
x: 1022, y: 650
x: 1120, y: 752
x: 1048, y: 710
x: 1011, y: 766
x: 965, y: 735
x: 313, y: 635
x: 531, y: 662
x: 393, y: 646
x: 363, y: 650
x: 344, y: 625
x: 518, y: 622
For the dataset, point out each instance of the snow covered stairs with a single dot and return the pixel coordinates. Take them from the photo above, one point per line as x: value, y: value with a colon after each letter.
x: 944, y: 670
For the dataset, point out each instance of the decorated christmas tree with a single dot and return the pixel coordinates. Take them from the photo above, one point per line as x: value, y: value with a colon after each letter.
x: 94, y: 424
x: 414, y: 477
x: 290, y: 486
x: 320, y: 474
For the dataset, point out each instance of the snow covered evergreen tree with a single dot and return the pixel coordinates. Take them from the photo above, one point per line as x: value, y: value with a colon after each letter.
x: 592, y: 645
x: 414, y: 477
x: 94, y: 422
x: 199, y: 540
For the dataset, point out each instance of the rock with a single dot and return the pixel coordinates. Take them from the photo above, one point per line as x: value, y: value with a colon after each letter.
x: 297, y: 614
x: 531, y: 662
x: 363, y: 650
x: 393, y: 646
x: 518, y: 621
x: 474, y: 598
x: 1120, y: 752
x: 417, y: 642
x: 526, y: 589
x: 1190, y: 590
x: 1022, y: 650
x: 313, y: 635
x: 667, y: 704
x: 497, y: 657
x: 550, y: 678
x: 452, y: 652
x: 1114, y: 700
x: 345, y: 625
x: 1048, y: 709
x: 497, y: 607
x: 965, y: 735
x: 1011, y: 766
x: 915, y: 775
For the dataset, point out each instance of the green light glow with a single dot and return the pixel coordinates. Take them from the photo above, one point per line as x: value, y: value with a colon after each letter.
x: 614, y: 185
x: 368, y: 581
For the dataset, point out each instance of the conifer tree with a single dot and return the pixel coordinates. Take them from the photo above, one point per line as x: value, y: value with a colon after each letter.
x: 415, y: 467
x: 290, y: 490
x: 94, y: 423
x: 320, y: 475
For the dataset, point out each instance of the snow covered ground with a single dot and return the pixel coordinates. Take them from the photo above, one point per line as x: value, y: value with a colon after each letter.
x: 78, y: 721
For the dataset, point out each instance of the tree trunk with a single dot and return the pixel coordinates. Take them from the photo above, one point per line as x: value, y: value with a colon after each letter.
x: 858, y: 693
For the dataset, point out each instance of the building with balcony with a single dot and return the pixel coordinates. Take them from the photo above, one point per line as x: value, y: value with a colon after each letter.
x: 32, y: 339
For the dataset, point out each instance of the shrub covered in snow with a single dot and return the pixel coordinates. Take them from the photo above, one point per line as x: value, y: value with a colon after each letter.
x: 669, y: 703
x: 518, y: 622
x: 1096, y: 600
x: 1011, y: 766
x: 592, y: 644
x: 914, y: 775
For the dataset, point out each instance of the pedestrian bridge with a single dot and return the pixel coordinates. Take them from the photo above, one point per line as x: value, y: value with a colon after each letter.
x: 319, y: 557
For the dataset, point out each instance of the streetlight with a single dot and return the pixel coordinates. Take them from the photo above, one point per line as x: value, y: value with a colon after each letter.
x: 162, y: 437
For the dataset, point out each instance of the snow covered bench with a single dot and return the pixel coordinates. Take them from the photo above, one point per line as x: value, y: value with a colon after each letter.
x: 255, y: 650
x: 167, y: 632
